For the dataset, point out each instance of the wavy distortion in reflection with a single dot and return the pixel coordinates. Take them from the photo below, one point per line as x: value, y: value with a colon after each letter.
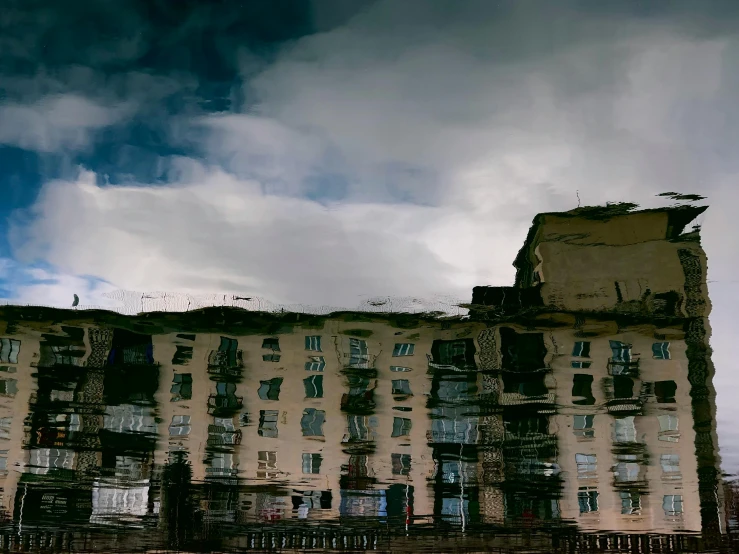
x: 573, y: 409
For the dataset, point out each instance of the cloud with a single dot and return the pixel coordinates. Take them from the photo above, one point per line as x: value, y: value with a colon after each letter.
x: 433, y: 105
x: 64, y: 122
x: 220, y: 233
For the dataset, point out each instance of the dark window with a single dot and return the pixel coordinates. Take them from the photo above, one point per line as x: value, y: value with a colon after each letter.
x: 358, y: 353
x: 401, y: 426
x: 313, y: 386
x: 404, y: 349
x: 361, y: 428
x: 227, y: 354
x: 181, y: 387
x: 457, y: 353
x: 623, y: 387
x: 312, y: 422
x: 270, y: 390
x: 661, y: 350
x: 402, y: 387
x: 313, y: 343
x: 665, y: 391
x: 8, y: 387
x: 525, y: 384
x: 522, y: 351
x: 182, y: 355
x: 621, y: 352
x: 587, y: 499
x: 272, y: 344
x: 580, y: 365
x: 271, y: 358
x: 312, y: 463
x: 316, y: 363
x: 582, y: 426
x: 581, y: 349
x: 630, y: 502
x: 185, y: 337
x: 582, y: 389
x: 268, y: 423
x: 401, y: 464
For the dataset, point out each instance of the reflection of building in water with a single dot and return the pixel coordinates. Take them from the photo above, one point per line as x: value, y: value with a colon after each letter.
x: 332, y: 415
x: 627, y: 365
x: 553, y: 402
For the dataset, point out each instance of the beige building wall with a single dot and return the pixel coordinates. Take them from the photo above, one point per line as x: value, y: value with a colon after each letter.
x: 13, y: 411
x: 651, y: 516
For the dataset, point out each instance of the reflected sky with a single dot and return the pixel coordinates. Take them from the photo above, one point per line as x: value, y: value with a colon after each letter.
x: 352, y: 154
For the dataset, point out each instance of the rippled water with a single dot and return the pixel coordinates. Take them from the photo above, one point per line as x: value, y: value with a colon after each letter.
x: 572, y: 411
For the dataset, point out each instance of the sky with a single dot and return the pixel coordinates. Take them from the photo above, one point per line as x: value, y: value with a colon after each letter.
x: 329, y: 153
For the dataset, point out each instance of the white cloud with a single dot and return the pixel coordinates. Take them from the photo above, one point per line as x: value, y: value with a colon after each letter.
x: 59, y: 122
x: 225, y: 234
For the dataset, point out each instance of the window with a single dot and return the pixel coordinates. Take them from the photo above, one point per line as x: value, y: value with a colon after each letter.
x: 8, y: 387
x: 661, y: 351
x: 402, y: 387
x: 182, y: 356
x: 626, y: 470
x: 271, y: 343
x: 184, y: 336
x: 525, y: 384
x: 129, y: 418
x: 225, y: 397
x: 583, y: 426
x: 5, y: 423
x: 672, y: 504
x: 668, y: 431
x: 312, y: 463
x: 358, y: 353
x: 621, y: 352
x: 587, y: 498
x: 623, y: 387
x: 580, y: 365
x: 75, y: 424
x: 9, y: 350
x: 180, y: 426
x: 665, y: 391
x: 223, y: 432
x: 44, y: 459
x: 361, y: 428
x: 315, y: 363
x: 586, y: 466
x: 222, y: 463
x: 630, y: 502
x: 401, y: 427
x: 403, y: 349
x: 181, y: 387
x: 670, y: 466
x: 271, y: 357
x: 270, y: 390
x: 3, y: 460
x: 459, y: 353
x: 581, y: 349
x: 312, y: 422
x: 313, y: 343
x: 268, y: 423
x: 399, y: 369
x: 582, y: 389
x: 227, y: 358
x: 401, y: 464
x: 624, y: 429
x: 313, y: 386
